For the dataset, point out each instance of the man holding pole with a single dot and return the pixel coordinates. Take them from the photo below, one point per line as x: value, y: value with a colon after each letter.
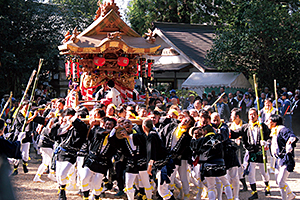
x: 251, y: 137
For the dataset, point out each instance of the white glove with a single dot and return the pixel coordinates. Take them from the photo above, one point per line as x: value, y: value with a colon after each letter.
x: 263, y: 143
x: 21, y: 136
x: 8, y: 121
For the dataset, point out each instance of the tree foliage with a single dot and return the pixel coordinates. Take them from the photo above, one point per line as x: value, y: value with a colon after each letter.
x: 143, y: 12
x: 261, y: 37
x: 30, y: 30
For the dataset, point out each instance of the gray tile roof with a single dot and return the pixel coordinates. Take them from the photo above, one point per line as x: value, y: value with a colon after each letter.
x: 192, y: 40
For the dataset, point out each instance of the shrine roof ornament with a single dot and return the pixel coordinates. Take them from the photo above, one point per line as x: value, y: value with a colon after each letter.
x: 99, y: 36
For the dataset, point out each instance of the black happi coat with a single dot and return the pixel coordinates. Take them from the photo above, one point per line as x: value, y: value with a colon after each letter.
x: 98, y: 159
x: 9, y: 149
x: 136, y: 159
x: 156, y: 150
x: 209, y: 151
x: 71, y: 141
x: 230, y: 157
x: 255, y: 149
x: 287, y: 159
x: 17, y: 127
x: 181, y: 150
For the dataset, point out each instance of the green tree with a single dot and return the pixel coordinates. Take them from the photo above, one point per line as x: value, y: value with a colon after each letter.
x: 261, y: 37
x: 28, y: 31
x: 78, y: 13
x: 143, y: 12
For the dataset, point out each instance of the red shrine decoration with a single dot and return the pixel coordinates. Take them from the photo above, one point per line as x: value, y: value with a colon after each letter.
x: 123, y: 61
x: 99, y: 61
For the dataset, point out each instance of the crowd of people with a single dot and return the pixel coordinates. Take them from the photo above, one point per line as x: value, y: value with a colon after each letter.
x: 213, y: 141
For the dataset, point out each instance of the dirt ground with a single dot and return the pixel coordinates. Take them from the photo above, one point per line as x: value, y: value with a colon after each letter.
x: 25, y: 188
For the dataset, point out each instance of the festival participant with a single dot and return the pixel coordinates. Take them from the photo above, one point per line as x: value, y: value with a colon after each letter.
x: 231, y: 161
x: 17, y: 128
x: 209, y: 149
x: 286, y: 110
x: 196, y: 133
x: 267, y: 110
x: 46, y: 143
x: 236, y: 123
x: 157, y: 157
x: 11, y: 150
x: 176, y: 138
x: 111, y: 111
x: 98, y: 159
x: 133, y: 145
x: 71, y: 136
x: 223, y: 110
x: 265, y: 113
x: 251, y: 136
x: 282, y: 147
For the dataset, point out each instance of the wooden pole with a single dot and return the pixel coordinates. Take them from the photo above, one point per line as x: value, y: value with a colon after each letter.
x: 276, y: 95
x: 6, y: 104
x: 32, y: 93
x: 260, y: 122
x: 23, y: 98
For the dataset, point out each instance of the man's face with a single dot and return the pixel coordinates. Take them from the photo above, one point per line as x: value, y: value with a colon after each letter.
x: 198, y: 133
x: 185, y: 123
x: 230, y: 95
x: 128, y: 125
x: 263, y: 95
x: 194, y: 113
x: 154, y: 96
x: 109, y: 125
x: 174, y: 101
x: 271, y: 124
x: 197, y: 105
x: 268, y: 104
x: 252, y: 116
x: 155, y: 119
x: 216, y: 120
x: 143, y: 112
x: 233, y: 116
x: 204, y: 121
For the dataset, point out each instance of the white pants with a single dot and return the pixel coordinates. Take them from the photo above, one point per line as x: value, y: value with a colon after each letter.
x: 80, y: 171
x: 25, y: 151
x: 183, y: 174
x: 130, y: 178
x: 163, y: 190
x: 46, y: 160
x: 62, y: 171
x: 281, y: 176
x: 211, y: 181
x: 196, y: 180
x: 91, y: 181
x: 233, y: 177
x: 251, y: 176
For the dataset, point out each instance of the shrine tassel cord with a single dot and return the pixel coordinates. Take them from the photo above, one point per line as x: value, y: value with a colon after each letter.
x: 32, y: 93
x: 260, y: 123
x: 276, y: 96
x: 24, y: 95
x: 6, y: 104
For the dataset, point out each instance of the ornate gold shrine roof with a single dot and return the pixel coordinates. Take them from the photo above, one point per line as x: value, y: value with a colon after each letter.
x: 95, y: 38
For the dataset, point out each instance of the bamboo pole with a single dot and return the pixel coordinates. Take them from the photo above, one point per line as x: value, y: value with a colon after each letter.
x: 260, y: 122
x: 276, y: 96
x: 6, y: 104
x: 32, y: 93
